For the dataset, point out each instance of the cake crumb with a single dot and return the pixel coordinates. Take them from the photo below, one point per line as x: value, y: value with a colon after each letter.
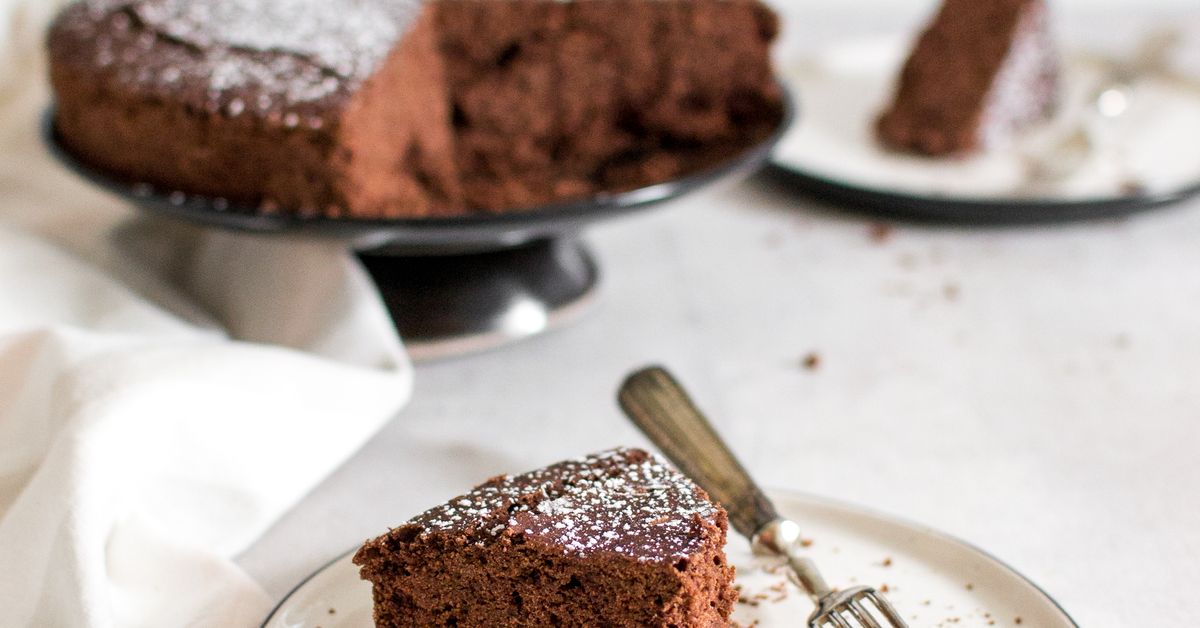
x: 881, y: 232
x: 887, y: 562
x: 812, y: 361
x: 806, y: 542
x: 884, y: 588
x: 970, y: 587
x: 951, y: 291
x: 1018, y: 620
x: 1133, y: 187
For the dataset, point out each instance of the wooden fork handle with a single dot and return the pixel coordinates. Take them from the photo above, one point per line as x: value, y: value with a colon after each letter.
x: 659, y: 406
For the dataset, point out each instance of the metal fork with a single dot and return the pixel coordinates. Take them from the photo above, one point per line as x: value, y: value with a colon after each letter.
x: 658, y: 405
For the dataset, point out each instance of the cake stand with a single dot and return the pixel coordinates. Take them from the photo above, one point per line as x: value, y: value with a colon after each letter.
x: 453, y: 285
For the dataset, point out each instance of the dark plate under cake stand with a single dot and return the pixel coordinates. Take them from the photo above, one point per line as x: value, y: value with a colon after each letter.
x: 897, y: 205
x: 453, y: 285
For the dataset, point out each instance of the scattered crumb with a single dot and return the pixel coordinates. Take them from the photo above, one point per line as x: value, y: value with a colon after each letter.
x: 887, y: 562
x: 951, y: 291
x: 812, y: 361
x: 1017, y: 620
x: 884, y: 588
x: 1133, y: 187
x: 752, y: 600
x: 747, y: 601
x: 970, y: 587
x: 881, y: 232
x: 806, y: 542
x: 333, y: 611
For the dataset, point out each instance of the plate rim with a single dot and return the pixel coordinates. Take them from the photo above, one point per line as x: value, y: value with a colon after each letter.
x: 844, y: 506
x: 899, y: 205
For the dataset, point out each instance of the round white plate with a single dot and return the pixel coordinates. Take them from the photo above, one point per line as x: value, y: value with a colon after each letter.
x: 931, y: 578
x: 1146, y: 154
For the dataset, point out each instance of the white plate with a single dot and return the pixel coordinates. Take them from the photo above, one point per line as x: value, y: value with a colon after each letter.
x: 1149, y: 150
x: 933, y: 579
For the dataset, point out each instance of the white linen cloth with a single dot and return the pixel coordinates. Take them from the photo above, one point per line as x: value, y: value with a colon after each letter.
x: 165, y: 392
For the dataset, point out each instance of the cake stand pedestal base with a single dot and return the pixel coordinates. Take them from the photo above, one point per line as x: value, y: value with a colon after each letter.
x: 450, y: 305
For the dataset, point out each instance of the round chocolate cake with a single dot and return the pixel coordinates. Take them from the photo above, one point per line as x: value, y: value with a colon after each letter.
x: 409, y: 108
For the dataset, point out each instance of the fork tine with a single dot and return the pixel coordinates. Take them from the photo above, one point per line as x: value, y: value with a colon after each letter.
x: 861, y: 614
x: 834, y: 616
x: 884, y: 607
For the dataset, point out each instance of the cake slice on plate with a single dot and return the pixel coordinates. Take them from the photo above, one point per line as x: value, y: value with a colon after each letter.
x: 980, y: 72
x: 612, y: 539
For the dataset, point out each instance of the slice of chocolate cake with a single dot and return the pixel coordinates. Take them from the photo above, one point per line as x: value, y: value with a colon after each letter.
x: 409, y: 108
x: 613, y: 539
x: 980, y: 72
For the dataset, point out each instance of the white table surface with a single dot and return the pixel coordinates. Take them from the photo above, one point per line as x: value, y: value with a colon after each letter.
x: 1035, y: 391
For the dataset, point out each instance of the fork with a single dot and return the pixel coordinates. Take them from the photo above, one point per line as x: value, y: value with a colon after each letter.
x: 660, y: 408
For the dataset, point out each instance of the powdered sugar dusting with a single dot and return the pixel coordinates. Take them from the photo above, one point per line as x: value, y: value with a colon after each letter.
x: 346, y: 37
x: 283, y: 52
x: 623, y: 501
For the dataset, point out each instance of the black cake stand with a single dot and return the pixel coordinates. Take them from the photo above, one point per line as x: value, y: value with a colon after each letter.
x: 452, y: 285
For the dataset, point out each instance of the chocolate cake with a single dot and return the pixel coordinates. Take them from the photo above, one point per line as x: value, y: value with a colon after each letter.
x: 980, y: 72
x: 613, y: 539
x: 408, y: 108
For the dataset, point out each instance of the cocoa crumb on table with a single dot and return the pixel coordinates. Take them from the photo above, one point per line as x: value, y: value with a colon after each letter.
x: 881, y: 232
x: 812, y: 361
x: 951, y: 291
